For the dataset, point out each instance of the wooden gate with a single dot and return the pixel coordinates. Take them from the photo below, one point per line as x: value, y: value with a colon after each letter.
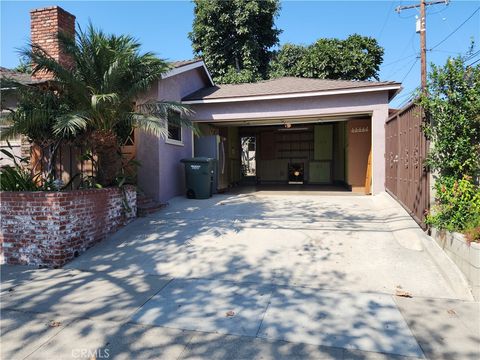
x: 405, y: 149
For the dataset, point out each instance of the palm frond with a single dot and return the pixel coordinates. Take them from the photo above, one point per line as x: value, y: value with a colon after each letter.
x: 103, y: 98
x: 169, y: 111
x: 150, y: 124
x: 164, y: 108
x: 35, y: 122
x: 70, y: 124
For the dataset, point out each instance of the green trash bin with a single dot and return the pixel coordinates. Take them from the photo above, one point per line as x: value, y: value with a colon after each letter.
x: 198, y: 177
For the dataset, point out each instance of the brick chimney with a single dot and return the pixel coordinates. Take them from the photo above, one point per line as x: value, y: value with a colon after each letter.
x: 45, y: 25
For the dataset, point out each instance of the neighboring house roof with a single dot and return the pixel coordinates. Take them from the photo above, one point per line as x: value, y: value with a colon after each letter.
x: 19, y: 77
x: 26, y: 79
x: 286, y: 87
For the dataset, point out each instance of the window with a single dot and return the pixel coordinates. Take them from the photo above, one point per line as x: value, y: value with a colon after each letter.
x: 174, y: 132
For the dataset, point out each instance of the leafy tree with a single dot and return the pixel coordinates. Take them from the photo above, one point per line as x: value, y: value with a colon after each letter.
x: 452, y: 107
x: 235, y: 37
x: 102, y: 92
x: 287, y: 61
x: 355, y: 58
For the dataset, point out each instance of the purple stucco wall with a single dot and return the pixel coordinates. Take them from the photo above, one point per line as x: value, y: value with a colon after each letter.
x: 374, y: 103
x: 161, y: 175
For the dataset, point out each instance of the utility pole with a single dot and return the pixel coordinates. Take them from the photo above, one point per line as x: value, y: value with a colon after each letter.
x: 423, y: 34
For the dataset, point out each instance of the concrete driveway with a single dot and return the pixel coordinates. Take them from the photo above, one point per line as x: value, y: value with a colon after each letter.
x: 263, y: 275
x: 340, y: 243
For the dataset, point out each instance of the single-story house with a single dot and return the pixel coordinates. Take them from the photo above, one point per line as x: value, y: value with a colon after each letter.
x: 325, y: 131
x: 280, y: 131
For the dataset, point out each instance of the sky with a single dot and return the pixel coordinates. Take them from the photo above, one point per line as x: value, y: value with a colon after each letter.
x: 163, y: 26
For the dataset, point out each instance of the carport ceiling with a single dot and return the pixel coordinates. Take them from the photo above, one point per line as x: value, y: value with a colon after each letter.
x: 292, y: 121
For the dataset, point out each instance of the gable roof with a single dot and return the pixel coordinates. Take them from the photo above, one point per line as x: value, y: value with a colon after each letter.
x: 182, y: 66
x: 287, y: 87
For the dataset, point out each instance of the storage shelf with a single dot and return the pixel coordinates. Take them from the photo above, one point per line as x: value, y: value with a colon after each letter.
x: 293, y: 157
x: 295, y: 150
x: 296, y: 141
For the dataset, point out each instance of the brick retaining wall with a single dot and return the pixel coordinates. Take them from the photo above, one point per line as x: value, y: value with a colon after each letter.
x: 51, y: 228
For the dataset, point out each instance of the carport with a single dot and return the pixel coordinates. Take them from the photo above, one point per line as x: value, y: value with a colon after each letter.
x: 295, y: 131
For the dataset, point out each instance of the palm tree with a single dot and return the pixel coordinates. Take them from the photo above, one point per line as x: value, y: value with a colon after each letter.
x: 103, y: 89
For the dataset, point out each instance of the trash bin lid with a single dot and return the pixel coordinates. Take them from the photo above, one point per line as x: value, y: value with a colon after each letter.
x: 199, y: 159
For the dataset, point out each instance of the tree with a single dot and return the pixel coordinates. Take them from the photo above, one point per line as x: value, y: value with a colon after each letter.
x: 287, y: 60
x: 355, y: 58
x: 452, y: 107
x: 235, y: 37
x: 101, y: 94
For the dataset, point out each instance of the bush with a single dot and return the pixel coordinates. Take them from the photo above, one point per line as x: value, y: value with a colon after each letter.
x: 473, y: 230
x: 457, y: 205
x: 19, y: 178
x: 16, y: 177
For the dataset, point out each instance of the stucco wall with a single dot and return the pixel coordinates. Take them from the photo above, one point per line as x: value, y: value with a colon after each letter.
x: 161, y: 175
x: 374, y: 103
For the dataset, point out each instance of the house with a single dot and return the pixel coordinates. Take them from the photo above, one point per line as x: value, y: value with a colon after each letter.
x: 299, y: 130
x: 327, y: 130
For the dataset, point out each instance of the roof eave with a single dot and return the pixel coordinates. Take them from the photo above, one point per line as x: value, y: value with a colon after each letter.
x: 390, y: 87
x: 393, y: 93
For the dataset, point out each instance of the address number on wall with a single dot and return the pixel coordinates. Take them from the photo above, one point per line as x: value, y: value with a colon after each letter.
x: 359, y: 130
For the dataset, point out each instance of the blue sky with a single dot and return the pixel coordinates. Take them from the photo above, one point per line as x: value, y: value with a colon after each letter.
x: 162, y: 27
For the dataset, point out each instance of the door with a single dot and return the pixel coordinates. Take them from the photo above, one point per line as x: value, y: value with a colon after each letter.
x: 321, y: 166
x: 249, y: 152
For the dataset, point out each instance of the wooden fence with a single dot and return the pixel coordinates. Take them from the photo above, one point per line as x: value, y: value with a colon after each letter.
x: 406, y: 147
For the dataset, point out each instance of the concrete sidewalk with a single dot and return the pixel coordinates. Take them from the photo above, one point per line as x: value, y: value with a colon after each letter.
x: 63, y: 314
x: 247, y: 277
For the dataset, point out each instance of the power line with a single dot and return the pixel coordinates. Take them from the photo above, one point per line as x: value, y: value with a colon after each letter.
x: 398, y: 69
x: 440, y: 11
x: 402, y: 52
x: 473, y: 63
x: 454, y: 31
x: 409, y: 70
x: 471, y: 56
x: 398, y: 60
x: 407, y: 97
x: 446, y: 51
x: 386, y: 20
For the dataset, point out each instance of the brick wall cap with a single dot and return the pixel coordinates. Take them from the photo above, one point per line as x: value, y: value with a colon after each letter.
x: 65, y: 192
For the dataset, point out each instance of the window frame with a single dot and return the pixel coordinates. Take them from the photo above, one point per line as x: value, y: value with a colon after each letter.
x: 171, y: 141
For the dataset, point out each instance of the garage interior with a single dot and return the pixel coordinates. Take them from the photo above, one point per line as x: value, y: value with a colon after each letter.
x: 326, y: 154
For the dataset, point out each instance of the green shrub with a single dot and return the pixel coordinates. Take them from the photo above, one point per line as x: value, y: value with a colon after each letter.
x: 457, y: 205
x: 17, y: 177
x: 472, y: 232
